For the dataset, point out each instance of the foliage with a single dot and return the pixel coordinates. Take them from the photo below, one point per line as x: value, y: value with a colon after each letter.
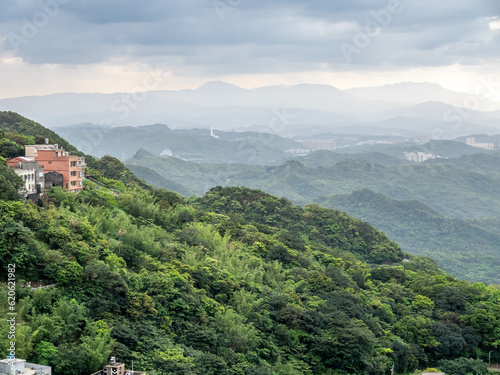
x: 10, y: 182
x: 453, y: 243
x: 29, y: 131
x: 236, y: 282
x: 464, y: 366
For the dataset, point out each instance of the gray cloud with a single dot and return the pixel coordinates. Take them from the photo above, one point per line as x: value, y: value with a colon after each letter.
x: 256, y: 36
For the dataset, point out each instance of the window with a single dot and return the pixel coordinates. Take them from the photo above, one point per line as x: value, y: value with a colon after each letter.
x: 50, y: 162
x: 73, y: 183
x: 73, y: 164
x: 73, y: 174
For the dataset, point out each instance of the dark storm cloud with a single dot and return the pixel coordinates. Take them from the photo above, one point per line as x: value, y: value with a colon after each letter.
x: 248, y: 36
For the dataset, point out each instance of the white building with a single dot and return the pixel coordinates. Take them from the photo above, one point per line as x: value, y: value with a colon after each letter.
x: 29, y: 177
x: 320, y: 144
x: 166, y: 153
x: 31, y: 173
x: 471, y: 141
x: 419, y: 157
x: 298, y: 151
x: 21, y: 367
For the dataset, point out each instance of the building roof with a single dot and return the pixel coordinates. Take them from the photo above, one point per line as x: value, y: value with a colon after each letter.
x: 15, y: 360
x: 20, y: 159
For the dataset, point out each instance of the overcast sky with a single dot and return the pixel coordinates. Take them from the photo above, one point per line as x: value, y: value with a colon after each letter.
x: 50, y: 46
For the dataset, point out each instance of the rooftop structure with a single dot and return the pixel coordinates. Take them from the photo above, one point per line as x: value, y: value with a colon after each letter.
x: 21, y: 367
x: 117, y: 368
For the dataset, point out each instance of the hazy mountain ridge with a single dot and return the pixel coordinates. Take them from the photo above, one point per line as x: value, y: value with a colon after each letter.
x: 441, y: 186
x: 228, y: 106
x: 193, y: 144
x: 413, y: 93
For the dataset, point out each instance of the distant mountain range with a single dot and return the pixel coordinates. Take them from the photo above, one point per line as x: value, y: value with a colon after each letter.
x: 275, y: 109
x: 413, y: 93
x: 191, y: 144
x: 448, y: 187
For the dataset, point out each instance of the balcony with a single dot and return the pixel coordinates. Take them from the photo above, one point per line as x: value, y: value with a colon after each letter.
x: 81, y: 163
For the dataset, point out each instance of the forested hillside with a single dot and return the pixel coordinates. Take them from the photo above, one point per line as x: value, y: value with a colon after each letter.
x: 15, y: 123
x: 449, y: 189
x: 467, y: 249
x: 235, y: 282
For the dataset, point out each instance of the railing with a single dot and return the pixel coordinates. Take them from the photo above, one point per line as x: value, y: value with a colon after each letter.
x: 104, y: 185
x: 44, y: 286
x: 40, y: 369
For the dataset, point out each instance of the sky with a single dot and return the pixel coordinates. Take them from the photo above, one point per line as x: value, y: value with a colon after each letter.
x: 51, y: 46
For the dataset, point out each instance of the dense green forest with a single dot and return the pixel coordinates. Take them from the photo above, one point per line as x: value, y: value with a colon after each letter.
x: 235, y: 282
x: 424, y: 206
x: 11, y: 122
x: 467, y: 249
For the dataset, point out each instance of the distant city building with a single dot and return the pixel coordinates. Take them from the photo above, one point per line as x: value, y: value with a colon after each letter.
x: 298, y: 151
x: 471, y: 141
x: 21, y: 367
x: 377, y: 142
x: 166, y: 153
x: 420, y: 138
x: 212, y: 134
x: 320, y: 144
x: 419, y: 157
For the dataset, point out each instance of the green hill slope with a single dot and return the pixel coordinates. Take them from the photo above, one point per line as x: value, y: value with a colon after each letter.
x: 13, y: 122
x: 484, y: 162
x: 444, y: 148
x: 236, y: 282
x: 466, y: 249
x: 153, y: 178
x: 451, y: 190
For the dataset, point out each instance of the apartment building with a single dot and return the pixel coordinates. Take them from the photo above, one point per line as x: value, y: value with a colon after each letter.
x: 30, y: 171
x: 55, y: 159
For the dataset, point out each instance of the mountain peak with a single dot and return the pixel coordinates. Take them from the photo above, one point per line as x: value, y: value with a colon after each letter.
x: 218, y: 86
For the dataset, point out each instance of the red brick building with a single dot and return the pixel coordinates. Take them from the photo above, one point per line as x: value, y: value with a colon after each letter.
x: 55, y: 159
